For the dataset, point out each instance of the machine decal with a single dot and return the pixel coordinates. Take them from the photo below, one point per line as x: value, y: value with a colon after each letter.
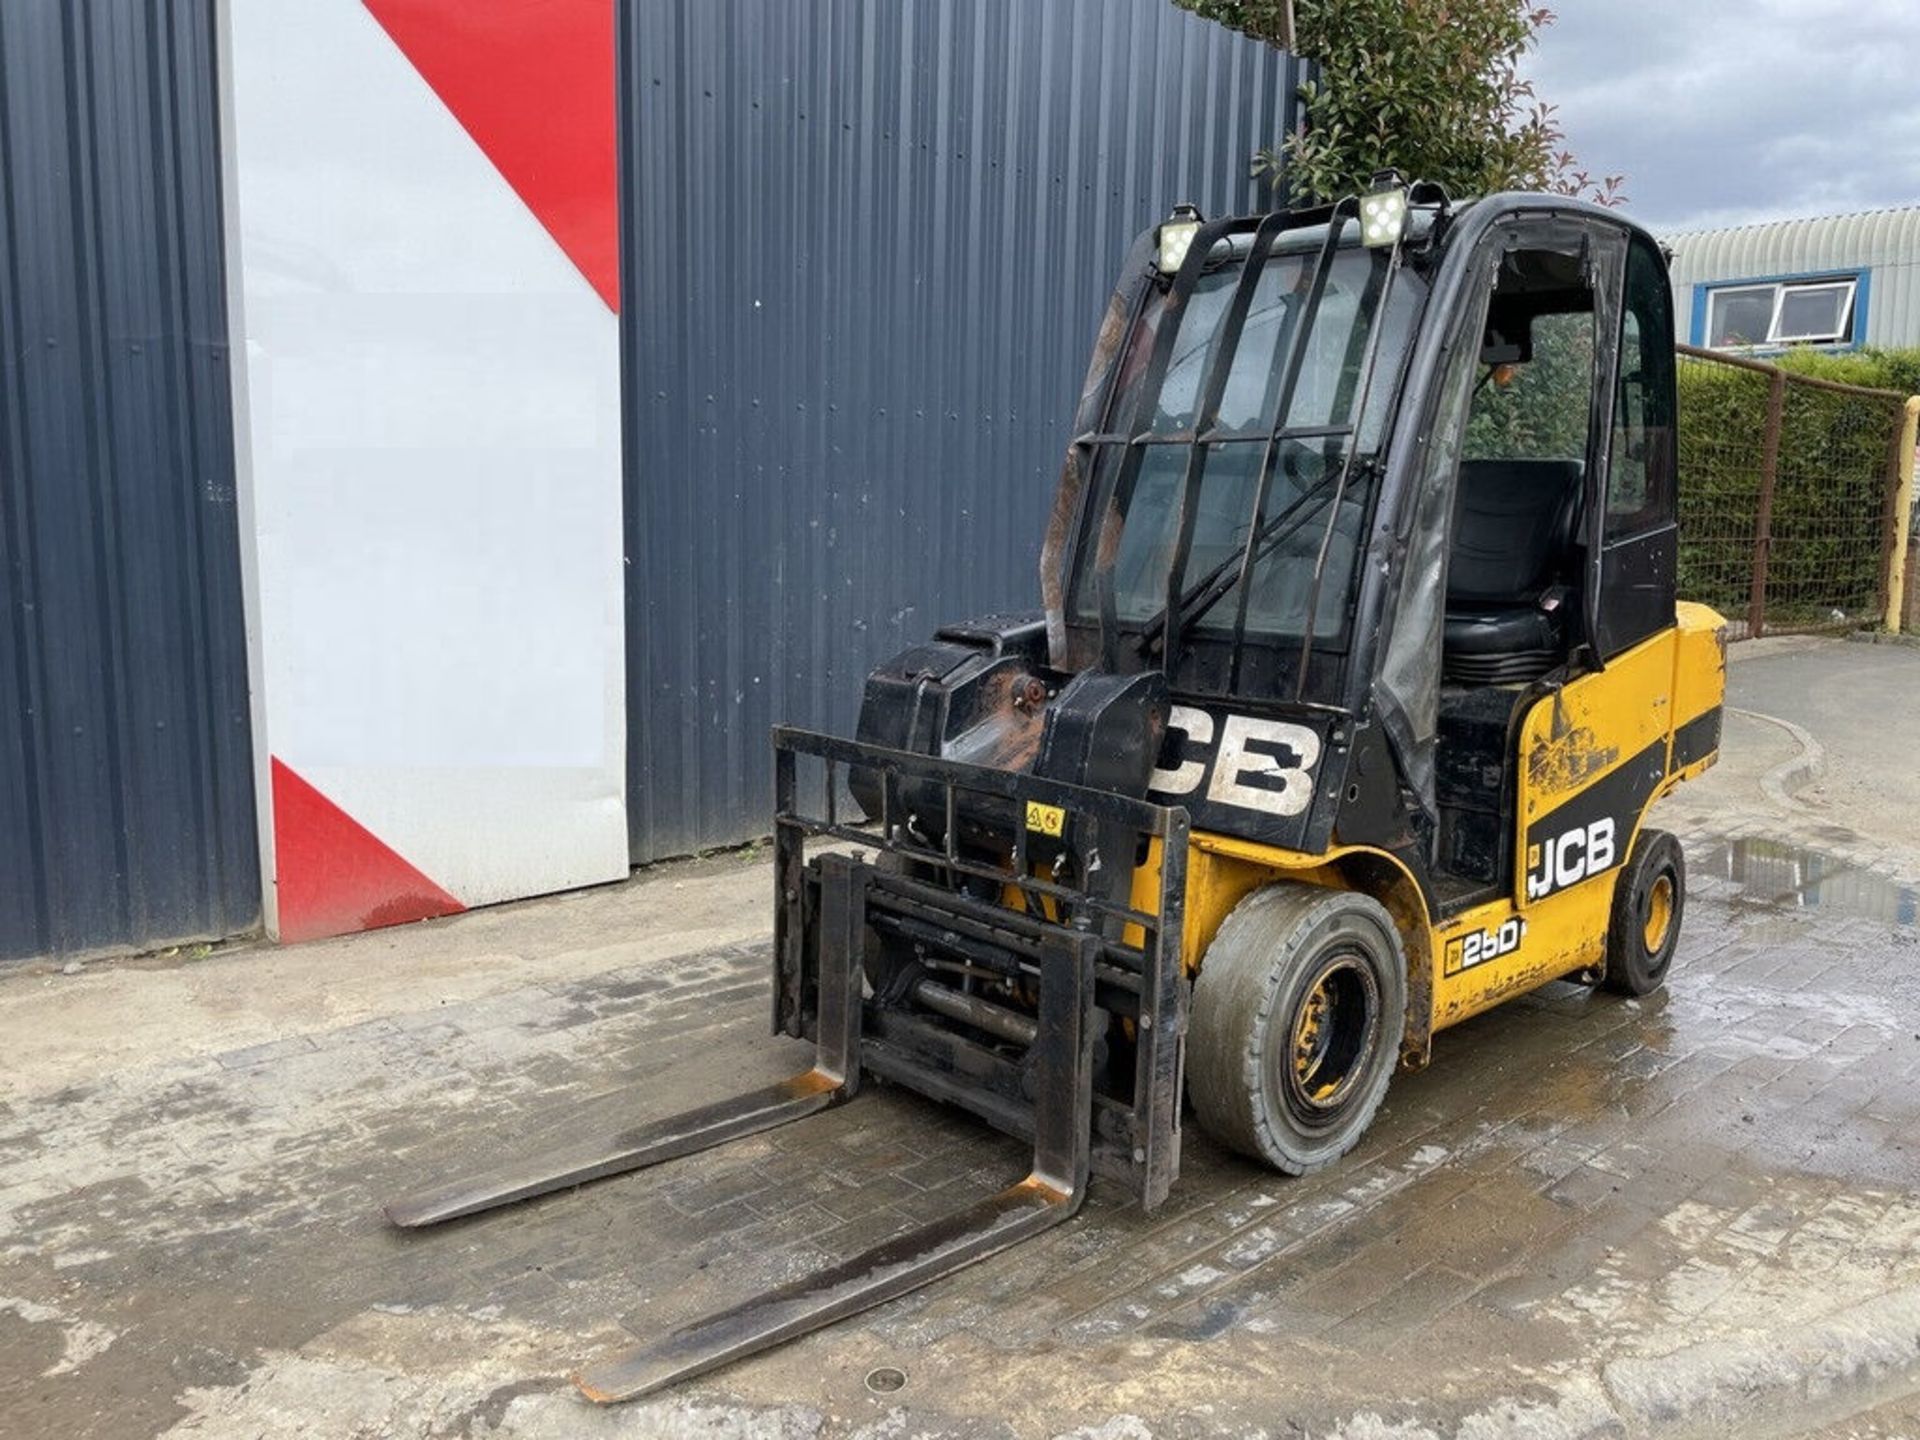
x: 1239, y: 760
x: 1046, y: 819
x: 1563, y: 763
x: 1566, y: 859
x: 1477, y: 947
x: 1588, y: 834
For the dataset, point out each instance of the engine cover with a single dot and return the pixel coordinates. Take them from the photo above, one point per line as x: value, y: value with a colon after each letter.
x: 981, y: 693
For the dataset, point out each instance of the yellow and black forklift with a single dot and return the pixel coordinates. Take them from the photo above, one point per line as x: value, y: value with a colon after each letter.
x: 1359, y: 666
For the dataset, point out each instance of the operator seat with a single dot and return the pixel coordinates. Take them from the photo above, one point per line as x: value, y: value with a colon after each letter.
x: 1514, y: 527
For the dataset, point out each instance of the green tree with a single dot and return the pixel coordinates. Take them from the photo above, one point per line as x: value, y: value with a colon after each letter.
x: 1429, y: 87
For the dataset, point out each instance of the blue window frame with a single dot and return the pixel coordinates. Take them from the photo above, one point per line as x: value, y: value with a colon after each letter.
x: 1777, y: 312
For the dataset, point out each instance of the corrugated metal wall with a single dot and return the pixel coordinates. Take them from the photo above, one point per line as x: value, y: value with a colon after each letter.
x: 126, y: 807
x: 1885, y: 243
x: 866, y: 246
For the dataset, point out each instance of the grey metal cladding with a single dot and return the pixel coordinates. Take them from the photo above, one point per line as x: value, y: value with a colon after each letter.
x: 866, y: 245
x: 126, y: 799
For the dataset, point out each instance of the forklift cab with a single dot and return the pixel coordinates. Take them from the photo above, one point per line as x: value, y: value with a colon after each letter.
x: 1362, y: 504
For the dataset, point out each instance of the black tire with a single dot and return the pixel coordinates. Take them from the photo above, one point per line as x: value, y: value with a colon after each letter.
x: 1248, y: 1043
x: 1649, y: 901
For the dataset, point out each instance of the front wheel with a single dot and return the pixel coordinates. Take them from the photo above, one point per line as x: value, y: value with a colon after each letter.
x: 1298, y: 1013
x: 1649, y: 897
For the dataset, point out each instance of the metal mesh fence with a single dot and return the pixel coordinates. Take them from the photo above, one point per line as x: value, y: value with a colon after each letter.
x: 1785, y: 487
x: 1722, y: 416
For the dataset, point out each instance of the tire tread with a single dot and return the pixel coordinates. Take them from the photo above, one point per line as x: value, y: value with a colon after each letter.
x: 1240, y: 983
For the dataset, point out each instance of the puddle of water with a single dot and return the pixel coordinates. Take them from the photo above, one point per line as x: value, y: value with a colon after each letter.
x: 1791, y: 877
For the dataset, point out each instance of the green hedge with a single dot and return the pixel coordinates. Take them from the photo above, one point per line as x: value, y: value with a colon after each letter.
x: 1875, y: 369
x: 1829, y: 498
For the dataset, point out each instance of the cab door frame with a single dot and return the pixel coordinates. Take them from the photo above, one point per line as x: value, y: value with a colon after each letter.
x: 1636, y: 552
x: 1606, y: 267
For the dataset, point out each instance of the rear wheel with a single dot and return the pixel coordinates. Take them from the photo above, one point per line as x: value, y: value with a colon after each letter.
x: 1649, y: 898
x: 1298, y: 1013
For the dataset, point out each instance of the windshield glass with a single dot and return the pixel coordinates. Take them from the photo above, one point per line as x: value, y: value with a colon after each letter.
x: 1303, y: 450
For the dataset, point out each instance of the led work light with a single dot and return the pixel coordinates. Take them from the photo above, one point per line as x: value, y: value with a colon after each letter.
x: 1175, y: 238
x: 1383, y: 211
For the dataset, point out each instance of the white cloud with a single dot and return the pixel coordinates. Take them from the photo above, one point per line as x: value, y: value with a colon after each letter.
x: 1724, y: 111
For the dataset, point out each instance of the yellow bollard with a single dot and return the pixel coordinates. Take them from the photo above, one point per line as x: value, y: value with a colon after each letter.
x: 1902, y: 515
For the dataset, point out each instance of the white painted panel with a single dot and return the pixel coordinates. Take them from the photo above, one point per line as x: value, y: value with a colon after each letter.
x: 432, y: 417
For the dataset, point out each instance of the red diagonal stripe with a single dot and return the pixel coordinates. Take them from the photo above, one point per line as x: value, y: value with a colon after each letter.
x: 532, y: 81
x: 333, y: 875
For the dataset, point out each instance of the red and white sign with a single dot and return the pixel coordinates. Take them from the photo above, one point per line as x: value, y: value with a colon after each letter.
x: 423, y: 260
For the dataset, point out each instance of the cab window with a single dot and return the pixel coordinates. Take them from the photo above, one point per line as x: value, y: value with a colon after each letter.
x: 1541, y: 409
x: 1640, y: 475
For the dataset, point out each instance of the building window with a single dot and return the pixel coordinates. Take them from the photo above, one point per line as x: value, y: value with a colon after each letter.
x: 1782, y: 312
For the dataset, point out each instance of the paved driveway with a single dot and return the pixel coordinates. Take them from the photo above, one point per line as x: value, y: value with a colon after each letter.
x: 1589, y: 1215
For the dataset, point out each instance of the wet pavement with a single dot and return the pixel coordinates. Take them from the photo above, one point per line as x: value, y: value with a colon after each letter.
x: 1698, y: 1213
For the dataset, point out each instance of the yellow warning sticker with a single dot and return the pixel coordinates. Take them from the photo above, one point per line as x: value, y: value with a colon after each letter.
x: 1046, y: 819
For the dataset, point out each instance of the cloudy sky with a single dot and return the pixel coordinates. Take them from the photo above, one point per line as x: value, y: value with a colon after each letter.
x: 1726, y: 111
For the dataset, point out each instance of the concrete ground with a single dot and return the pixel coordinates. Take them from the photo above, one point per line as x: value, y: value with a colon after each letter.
x: 1822, y: 738
x: 1698, y: 1213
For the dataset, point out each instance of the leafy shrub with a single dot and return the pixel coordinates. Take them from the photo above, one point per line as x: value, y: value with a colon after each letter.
x: 1430, y: 87
x: 1830, y: 491
x: 1875, y: 369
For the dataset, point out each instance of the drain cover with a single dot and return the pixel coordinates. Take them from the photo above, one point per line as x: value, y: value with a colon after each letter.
x: 886, y: 1379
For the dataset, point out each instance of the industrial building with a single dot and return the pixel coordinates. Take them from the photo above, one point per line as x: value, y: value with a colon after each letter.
x: 1840, y: 282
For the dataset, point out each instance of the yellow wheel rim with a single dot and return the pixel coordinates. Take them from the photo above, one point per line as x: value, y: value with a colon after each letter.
x: 1336, y: 1022
x: 1310, y: 1038
x: 1659, y: 914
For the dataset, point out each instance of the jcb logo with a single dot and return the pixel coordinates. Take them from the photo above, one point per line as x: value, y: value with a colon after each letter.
x: 1257, y: 764
x: 1569, y: 858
